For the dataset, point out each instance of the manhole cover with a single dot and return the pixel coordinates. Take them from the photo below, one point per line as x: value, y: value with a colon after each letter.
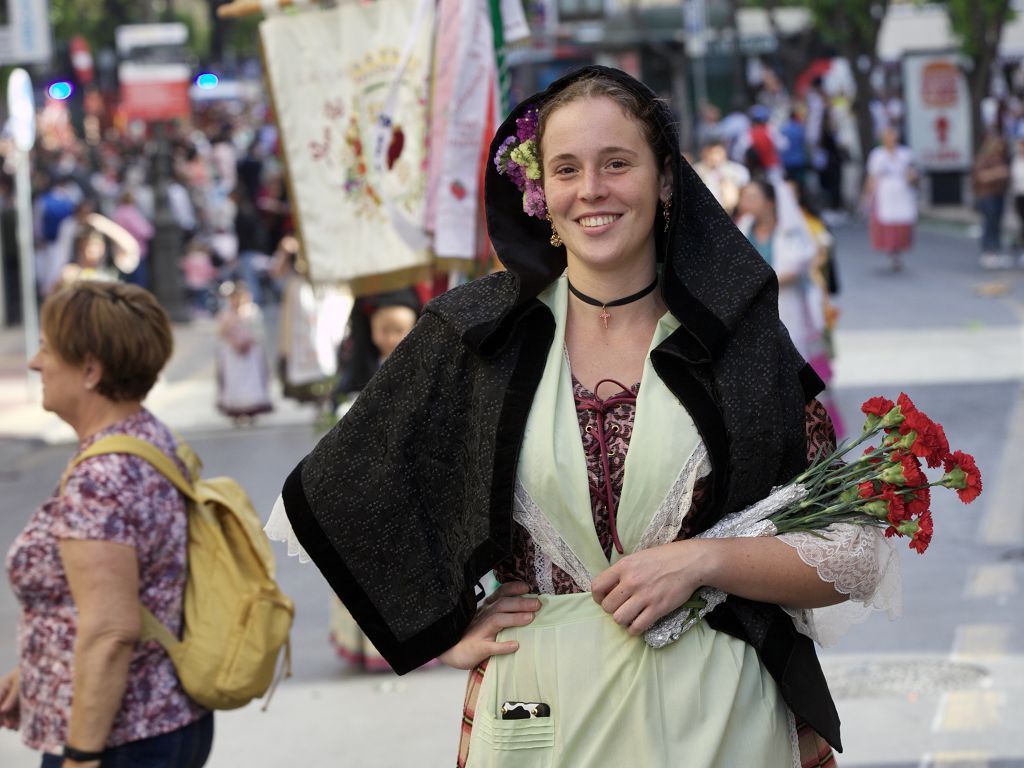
x: 874, y: 679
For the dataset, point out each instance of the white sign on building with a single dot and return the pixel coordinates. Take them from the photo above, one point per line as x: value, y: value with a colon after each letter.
x: 25, y: 33
x: 938, y: 109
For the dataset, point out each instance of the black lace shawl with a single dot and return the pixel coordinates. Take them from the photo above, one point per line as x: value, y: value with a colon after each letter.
x: 406, y: 503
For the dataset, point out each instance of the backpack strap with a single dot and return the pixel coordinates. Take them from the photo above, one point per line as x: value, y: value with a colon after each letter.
x: 152, y: 627
x: 136, y: 447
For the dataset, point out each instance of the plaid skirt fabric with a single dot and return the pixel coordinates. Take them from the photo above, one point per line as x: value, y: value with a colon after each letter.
x: 814, y: 751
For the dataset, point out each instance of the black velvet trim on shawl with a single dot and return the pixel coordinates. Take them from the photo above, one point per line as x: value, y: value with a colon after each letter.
x: 403, y: 656
x: 537, y: 324
x: 811, y: 382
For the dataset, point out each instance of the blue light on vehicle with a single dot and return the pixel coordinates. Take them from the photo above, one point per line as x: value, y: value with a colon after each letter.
x: 207, y: 80
x: 60, y: 90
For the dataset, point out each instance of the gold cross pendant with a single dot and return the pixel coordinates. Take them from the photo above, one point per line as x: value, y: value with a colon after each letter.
x: 604, y: 316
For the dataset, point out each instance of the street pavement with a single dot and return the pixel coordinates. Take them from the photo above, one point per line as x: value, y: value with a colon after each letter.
x: 941, y: 686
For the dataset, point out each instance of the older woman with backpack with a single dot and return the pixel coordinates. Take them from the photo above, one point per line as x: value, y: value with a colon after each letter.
x: 87, y: 692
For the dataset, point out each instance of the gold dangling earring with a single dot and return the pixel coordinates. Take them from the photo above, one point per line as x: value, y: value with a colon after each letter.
x: 666, y: 211
x: 556, y: 240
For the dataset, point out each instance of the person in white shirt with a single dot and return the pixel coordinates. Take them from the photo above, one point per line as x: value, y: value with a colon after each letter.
x: 890, y: 197
x: 721, y: 175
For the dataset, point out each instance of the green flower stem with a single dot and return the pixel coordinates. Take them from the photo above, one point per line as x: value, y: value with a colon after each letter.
x: 842, y: 450
x: 695, y: 603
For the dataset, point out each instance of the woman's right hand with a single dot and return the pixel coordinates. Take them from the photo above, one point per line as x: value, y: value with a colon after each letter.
x: 504, y: 608
x: 10, y: 691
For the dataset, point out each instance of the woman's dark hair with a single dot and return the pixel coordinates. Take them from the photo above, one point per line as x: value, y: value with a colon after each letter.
x: 645, y: 111
x: 766, y: 187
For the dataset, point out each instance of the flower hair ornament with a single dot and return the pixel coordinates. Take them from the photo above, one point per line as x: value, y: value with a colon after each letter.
x: 518, y: 157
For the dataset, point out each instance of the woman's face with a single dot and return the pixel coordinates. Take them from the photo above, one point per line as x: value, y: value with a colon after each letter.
x: 93, y: 251
x: 63, y: 384
x: 602, y: 183
x: 753, y: 201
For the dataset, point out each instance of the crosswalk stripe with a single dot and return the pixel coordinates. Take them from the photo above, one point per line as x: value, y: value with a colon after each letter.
x: 1003, y: 523
x: 956, y: 760
x: 969, y: 711
x: 981, y: 642
x: 995, y: 580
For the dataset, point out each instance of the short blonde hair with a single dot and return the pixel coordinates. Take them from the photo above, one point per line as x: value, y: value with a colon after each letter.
x: 121, y: 326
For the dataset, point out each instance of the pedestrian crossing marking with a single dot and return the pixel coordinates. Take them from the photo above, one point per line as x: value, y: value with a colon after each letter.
x: 996, y: 580
x: 956, y: 760
x: 1003, y: 523
x: 981, y: 642
x: 969, y: 711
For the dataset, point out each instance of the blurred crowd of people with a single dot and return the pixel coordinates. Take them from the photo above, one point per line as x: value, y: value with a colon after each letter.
x: 96, y: 216
x: 808, y: 137
x: 96, y: 203
x: 777, y: 169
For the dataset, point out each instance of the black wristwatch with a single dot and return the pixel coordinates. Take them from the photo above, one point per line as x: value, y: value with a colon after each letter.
x: 80, y: 755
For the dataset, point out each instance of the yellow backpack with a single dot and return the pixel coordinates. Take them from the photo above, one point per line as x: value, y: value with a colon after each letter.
x: 236, y: 618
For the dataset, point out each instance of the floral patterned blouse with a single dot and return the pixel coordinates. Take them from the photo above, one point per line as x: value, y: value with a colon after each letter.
x: 121, y: 499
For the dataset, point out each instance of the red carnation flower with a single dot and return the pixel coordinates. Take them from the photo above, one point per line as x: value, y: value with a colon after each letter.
x: 877, y: 406
x: 923, y: 537
x: 906, y: 405
x: 897, y: 509
x: 866, y: 489
x: 890, y: 532
x: 912, y: 470
x: 962, y: 473
x: 930, y: 443
x: 918, y: 501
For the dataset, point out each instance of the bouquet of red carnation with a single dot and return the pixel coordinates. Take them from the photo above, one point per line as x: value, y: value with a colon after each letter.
x: 885, y: 486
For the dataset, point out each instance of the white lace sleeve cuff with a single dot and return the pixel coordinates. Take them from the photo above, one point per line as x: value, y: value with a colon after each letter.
x: 278, y: 528
x: 860, y: 562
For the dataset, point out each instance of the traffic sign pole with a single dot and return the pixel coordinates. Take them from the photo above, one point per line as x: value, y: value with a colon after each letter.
x: 29, y: 308
x: 21, y: 106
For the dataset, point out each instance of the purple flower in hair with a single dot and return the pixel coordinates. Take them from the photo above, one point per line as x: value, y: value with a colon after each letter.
x: 518, y: 159
x: 526, y: 126
x: 534, y: 202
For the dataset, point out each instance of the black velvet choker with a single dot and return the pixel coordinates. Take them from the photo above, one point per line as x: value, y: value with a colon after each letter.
x: 617, y: 303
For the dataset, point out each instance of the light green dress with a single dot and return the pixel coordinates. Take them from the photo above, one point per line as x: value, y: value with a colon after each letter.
x: 702, y: 701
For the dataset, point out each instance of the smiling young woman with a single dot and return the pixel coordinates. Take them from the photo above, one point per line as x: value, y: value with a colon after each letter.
x: 571, y: 424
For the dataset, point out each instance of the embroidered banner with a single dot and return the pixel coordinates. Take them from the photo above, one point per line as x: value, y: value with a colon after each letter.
x: 469, y: 76
x: 332, y: 74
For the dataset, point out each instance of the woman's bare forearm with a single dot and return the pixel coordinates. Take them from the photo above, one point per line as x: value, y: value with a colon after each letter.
x: 767, y: 570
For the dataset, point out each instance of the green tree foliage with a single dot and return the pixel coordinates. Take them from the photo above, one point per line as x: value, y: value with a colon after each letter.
x: 95, y: 20
x: 979, y: 25
x: 851, y: 27
x: 848, y: 24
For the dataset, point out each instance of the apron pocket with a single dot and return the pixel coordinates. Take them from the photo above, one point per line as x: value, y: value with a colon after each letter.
x: 532, y: 733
